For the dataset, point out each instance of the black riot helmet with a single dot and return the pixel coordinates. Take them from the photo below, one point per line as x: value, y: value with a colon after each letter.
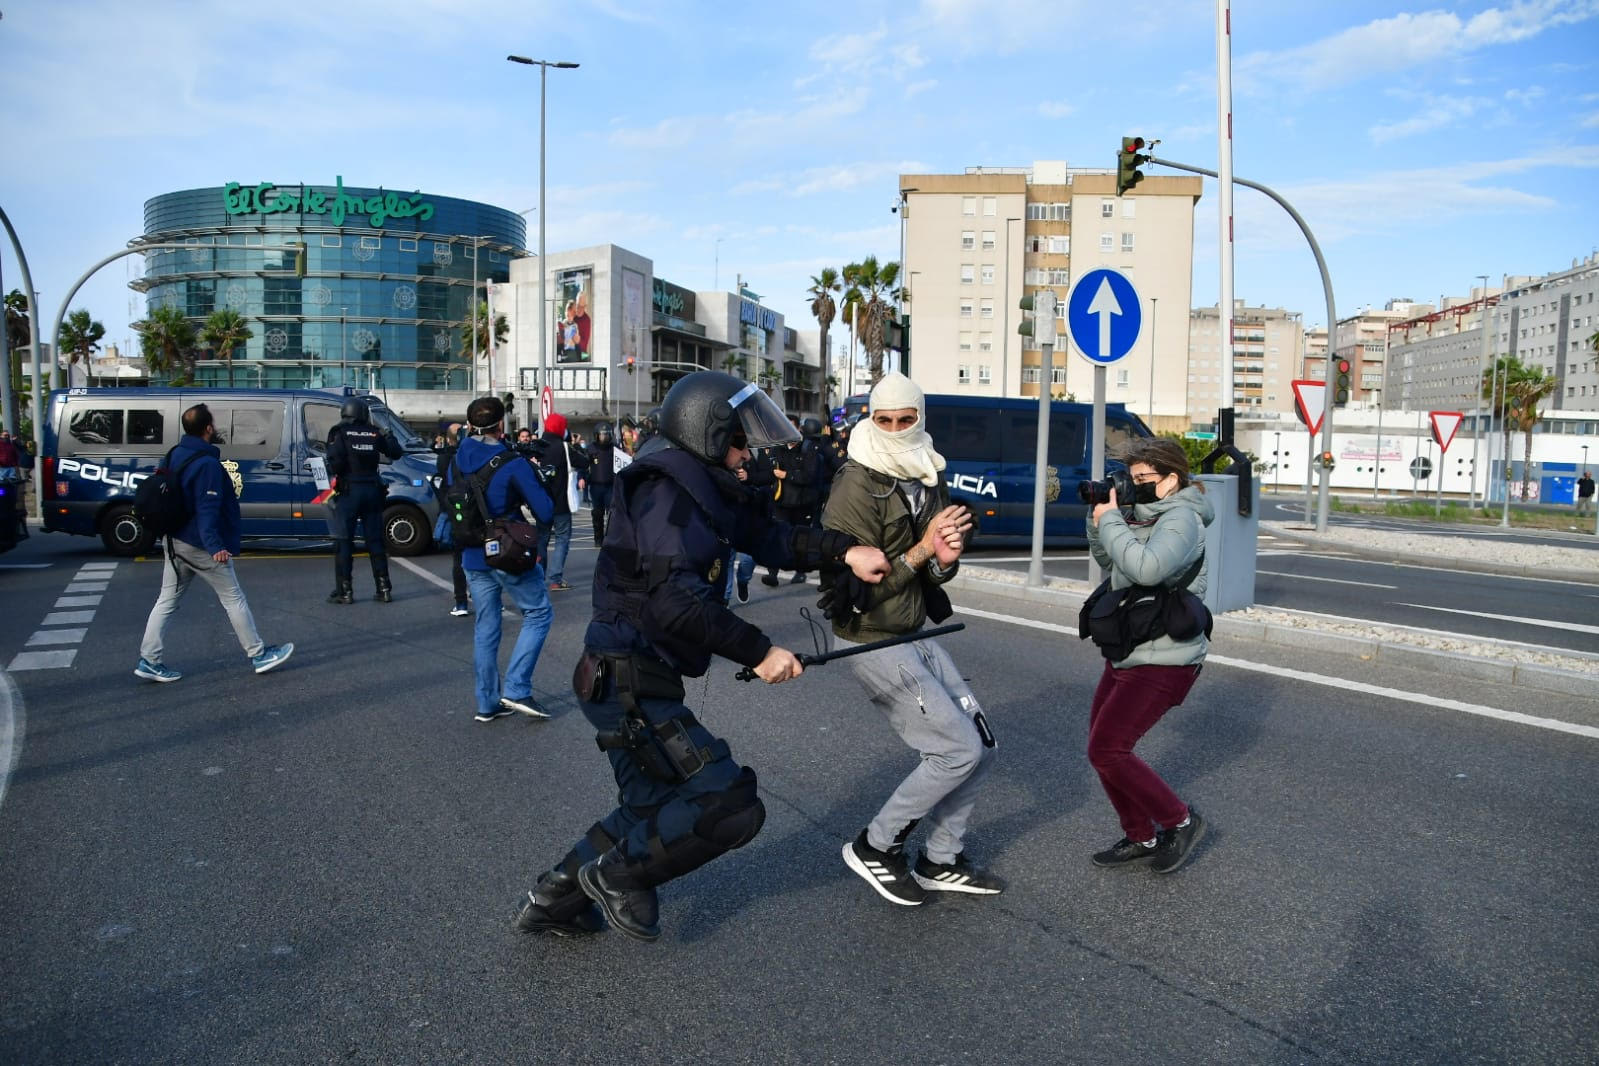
x: 707, y: 410
x: 651, y: 422
x: 354, y: 410
x: 811, y: 427
x: 602, y: 433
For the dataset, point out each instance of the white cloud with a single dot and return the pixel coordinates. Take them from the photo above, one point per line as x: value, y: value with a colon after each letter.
x: 1437, y: 112
x: 1390, y: 45
x: 1525, y: 97
x: 1589, y: 122
x: 836, y: 178
x: 1055, y: 108
x: 916, y: 88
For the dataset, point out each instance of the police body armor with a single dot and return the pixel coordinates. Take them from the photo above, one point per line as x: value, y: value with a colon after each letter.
x: 361, y: 452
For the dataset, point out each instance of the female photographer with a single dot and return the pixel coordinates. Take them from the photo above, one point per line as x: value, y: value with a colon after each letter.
x: 1160, y: 540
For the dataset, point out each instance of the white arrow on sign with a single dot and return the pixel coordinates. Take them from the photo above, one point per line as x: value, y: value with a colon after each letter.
x: 1104, y: 304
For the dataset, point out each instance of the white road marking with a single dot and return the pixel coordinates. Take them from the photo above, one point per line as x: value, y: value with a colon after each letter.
x: 1544, y: 622
x: 79, y: 587
x: 56, y: 636
x: 427, y: 575
x: 68, y: 618
x: 93, y: 567
x: 12, y: 721
x: 1422, y: 698
x: 78, y: 601
x: 1331, y: 580
x: 42, y: 660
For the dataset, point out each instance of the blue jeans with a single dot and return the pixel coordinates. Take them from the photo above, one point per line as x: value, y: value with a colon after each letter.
x: 528, y: 593
x: 555, y: 540
x: 742, y: 569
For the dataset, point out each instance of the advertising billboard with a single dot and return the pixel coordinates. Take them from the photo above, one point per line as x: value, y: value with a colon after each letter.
x: 634, y: 322
x: 573, y: 328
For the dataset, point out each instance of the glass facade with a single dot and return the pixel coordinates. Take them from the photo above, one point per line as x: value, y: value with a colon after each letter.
x: 388, y: 280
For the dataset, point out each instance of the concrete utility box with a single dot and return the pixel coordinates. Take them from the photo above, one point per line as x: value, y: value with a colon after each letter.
x: 1230, y: 543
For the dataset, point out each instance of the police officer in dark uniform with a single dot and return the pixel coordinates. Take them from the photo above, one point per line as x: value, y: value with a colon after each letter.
x: 602, y: 472
x: 677, y: 516
x: 649, y: 427
x: 354, y: 448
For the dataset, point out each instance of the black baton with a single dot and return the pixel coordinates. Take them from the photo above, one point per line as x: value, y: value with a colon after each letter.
x: 748, y: 673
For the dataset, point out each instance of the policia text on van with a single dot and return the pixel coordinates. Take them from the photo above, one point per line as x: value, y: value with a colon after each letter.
x: 100, y: 443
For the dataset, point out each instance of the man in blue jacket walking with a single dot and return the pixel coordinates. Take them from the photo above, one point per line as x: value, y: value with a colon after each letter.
x: 510, y: 487
x: 205, y: 546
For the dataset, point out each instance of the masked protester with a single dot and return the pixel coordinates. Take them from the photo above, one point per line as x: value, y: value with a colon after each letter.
x: 1162, y: 542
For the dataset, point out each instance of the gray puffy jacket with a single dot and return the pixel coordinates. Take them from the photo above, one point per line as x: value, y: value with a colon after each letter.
x: 1157, y: 554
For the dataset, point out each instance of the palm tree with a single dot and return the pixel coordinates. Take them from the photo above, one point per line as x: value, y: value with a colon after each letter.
x: 823, y: 286
x: 1527, y: 389
x: 80, y: 337
x: 17, y: 339
x: 223, y: 332
x: 166, y: 340
x: 733, y: 363
x: 480, y: 319
x: 850, y: 313
x: 876, y: 284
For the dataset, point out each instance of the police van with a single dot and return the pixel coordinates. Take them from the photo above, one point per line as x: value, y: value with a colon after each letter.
x: 100, y: 443
x: 991, y: 447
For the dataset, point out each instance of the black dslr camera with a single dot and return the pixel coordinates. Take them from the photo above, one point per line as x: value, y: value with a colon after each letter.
x: 1094, y: 493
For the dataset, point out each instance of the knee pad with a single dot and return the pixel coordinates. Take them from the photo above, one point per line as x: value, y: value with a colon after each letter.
x: 733, y: 816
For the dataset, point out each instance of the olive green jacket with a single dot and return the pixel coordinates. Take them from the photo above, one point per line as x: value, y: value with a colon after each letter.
x: 871, y: 507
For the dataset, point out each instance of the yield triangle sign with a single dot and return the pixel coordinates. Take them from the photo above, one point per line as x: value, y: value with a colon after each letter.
x: 1310, y: 403
x: 1444, y: 424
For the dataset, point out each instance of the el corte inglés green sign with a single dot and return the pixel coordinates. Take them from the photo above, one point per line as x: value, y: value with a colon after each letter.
x: 265, y: 199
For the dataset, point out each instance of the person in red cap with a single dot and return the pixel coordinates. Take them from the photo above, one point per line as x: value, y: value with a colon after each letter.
x: 561, y: 462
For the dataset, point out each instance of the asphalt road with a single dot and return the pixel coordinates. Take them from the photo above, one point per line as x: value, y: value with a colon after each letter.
x: 321, y: 863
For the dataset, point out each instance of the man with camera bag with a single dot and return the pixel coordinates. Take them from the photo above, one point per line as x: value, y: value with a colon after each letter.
x: 659, y: 616
x: 504, y: 481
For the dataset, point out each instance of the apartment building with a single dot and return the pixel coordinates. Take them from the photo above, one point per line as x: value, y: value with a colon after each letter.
x: 1268, y: 347
x: 976, y: 242
x: 1363, y: 339
x: 1435, y: 360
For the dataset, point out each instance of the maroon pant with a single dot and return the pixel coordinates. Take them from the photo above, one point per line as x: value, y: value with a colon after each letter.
x: 1127, y: 704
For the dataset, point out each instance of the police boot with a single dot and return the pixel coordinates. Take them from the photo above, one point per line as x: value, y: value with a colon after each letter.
x: 558, y: 906
x: 632, y: 908
x: 385, y: 589
x: 343, y: 592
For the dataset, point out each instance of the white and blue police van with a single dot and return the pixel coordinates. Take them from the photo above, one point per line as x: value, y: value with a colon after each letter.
x: 990, y: 446
x: 99, y: 443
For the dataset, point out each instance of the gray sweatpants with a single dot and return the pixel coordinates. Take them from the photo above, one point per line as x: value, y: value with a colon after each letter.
x: 180, y: 567
x: 919, y: 688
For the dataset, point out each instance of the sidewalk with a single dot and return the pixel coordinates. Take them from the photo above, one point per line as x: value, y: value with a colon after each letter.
x: 1568, y: 673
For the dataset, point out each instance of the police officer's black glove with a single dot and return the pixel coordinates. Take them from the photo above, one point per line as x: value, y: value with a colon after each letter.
x: 814, y: 548
x: 843, y: 594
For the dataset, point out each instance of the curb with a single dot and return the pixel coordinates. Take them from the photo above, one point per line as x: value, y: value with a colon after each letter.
x: 1317, y: 540
x: 1230, y: 631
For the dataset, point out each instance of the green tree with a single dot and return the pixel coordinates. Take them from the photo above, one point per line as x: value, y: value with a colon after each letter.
x: 733, y: 363
x: 17, y: 340
x: 80, y: 338
x: 823, y: 306
x: 1527, y: 388
x: 875, y: 290
x: 480, y: 322
x: 223, y: 332
x: 166, y: 340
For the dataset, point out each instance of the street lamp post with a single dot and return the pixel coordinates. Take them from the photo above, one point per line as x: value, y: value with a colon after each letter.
x: 1154, y: 302
x: 1004, y: 319
x: 544, y: 66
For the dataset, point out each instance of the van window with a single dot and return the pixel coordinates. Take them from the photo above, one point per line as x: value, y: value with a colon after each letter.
x: 248, y: 431
x: 1067, y: 432
x: 146, y: 427
x: 1118, y: 431
x: 318, y: 419
x: 96, y: 425
x: 967, y: 434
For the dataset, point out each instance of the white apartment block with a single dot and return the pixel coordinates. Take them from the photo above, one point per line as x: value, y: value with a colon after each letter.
x: 1268, y: 349
x: 975, y: 243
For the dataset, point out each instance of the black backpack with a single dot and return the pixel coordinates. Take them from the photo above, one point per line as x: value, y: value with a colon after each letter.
x: 159, y: 502
x: 463, y: 500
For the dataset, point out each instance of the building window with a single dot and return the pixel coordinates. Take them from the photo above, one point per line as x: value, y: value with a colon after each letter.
x: 966, y: 309
x: 965, y: 342
x: 1057, y: 276
x: 988, y: 273
x: 1030, y: 375
x: 990, y: 206
x: 985, y: 374
x: 963, y: 374
x: 328, y: 241
x: 1107, y: 209
x: 1060, y: 212
x: 1107, y: 242
x: 407, y: 244
x: 1127, y: 242
x: 1037, y: 212
x: 968, y: 240
x: 1128, y: 208
x: 968, y: 273
x: 985, y: 342
x: 1060, y: 245
x: 1057, y: 375
x: 988, y: 309
x: 988, y: 240
x: 1122, y: 380
x: 969, y: 206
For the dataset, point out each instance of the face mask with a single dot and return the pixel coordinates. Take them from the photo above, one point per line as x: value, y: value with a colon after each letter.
x: 1144, y: 492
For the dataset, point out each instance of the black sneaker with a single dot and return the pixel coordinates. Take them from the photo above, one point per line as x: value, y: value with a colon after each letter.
x: 1179, y: 843
x: 1126, y: 852
x: 635, y: 911
x: 957, y: 876
x: 500, y: 711
x: 797, y: 579
x: 885, y: 871
x: 770, y: 579
x: 743, y: 591
x: 525, y: 705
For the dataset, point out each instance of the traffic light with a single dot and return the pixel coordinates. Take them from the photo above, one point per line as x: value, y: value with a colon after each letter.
x: 630, y: 364
x: 1341, y: 383
x: 1128, y: 160
x: 1038, y: 321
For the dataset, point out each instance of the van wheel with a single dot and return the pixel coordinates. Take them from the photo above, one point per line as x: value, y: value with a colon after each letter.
x: 404, y: 530
x: 123, y: 534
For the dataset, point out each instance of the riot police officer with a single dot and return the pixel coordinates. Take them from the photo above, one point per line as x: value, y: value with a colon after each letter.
x: 602, y: 472
x: 354, y: 450
x: 677, y: 515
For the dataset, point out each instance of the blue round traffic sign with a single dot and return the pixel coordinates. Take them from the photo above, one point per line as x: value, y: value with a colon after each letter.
x: 1104, y: 315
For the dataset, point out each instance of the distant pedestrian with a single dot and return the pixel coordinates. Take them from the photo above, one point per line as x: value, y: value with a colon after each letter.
x: 1585, y: 494
x: 356, y: 448
x: 205, y: 546
x: 1159, y: 540
x: 10, y: 459
x: 510, y: 487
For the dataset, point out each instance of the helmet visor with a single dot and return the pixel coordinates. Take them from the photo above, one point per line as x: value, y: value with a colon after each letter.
x: 763, y: 422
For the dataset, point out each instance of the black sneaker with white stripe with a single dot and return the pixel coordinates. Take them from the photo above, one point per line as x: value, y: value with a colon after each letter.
x: 886, y: 871
x: 957, y: 876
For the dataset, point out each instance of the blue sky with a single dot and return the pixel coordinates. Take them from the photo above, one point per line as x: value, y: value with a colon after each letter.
x: 1424, y: 144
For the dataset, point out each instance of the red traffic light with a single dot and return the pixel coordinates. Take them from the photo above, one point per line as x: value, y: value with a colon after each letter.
x: 1343, y: 366
x: 630, y: 360
x: 1138, y: 142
